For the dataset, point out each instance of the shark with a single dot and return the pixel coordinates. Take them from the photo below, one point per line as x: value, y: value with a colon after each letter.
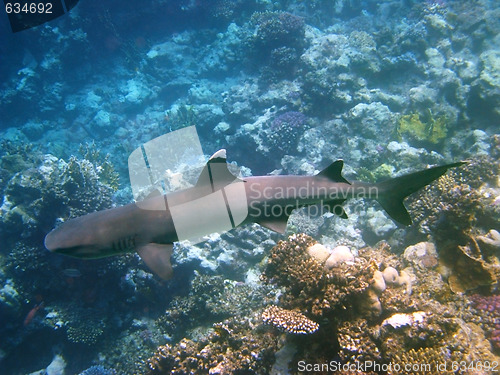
x: 151, y: 227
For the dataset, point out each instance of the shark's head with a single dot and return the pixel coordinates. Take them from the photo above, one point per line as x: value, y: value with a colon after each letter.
x: 72, y: 238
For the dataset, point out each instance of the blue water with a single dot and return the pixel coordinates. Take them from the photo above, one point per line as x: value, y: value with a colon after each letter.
x: 286, y: 87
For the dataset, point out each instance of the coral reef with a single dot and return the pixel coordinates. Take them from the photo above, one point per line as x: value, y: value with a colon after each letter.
x: 97, y: 370
x: 275, y: 42
x: 453, y: 202
x: 87, y: 331
x: 232, y: 347
x: 459, y: 210
x: 388, y: 318
x: 488, y: 308
x: 284, y: 132
x: 52, y: 188
x: 357, y: 342
x: 210, y: 299
x: 309, y: 286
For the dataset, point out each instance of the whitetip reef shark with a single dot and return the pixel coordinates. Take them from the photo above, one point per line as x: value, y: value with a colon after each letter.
x: 149, y: 228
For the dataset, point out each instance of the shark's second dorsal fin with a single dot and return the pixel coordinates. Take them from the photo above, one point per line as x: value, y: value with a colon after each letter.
x: 216, y: 173
x: 334, y: 172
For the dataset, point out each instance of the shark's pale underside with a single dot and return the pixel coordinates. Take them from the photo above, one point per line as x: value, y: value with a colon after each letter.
x: 149, y: 227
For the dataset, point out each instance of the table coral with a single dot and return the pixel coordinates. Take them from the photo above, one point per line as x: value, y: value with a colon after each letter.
x: 289, y: 321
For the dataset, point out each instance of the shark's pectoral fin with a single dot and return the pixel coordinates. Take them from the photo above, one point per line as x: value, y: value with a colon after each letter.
x: 275, y: 224
x: 157, y: 258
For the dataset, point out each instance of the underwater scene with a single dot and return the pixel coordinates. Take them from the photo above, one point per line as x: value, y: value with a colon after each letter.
x: 328, y: 201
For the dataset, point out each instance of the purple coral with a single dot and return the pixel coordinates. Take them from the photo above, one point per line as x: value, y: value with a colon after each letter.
x: 285, y: 131
x: 489, y: 308
x: 291, y: 119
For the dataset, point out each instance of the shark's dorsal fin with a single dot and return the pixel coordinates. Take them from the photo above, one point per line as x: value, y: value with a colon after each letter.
x: 334, y: 172
x: 216, y: 173
x: 157, y: 258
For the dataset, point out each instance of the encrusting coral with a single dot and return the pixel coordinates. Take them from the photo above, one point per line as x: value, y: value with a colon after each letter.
x: 433, y: 130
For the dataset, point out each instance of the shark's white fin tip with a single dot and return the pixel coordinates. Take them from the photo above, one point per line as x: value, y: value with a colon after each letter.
x: 221, y: 154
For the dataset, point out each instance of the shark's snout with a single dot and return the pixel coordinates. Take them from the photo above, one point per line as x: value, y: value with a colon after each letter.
x: 50, y: 241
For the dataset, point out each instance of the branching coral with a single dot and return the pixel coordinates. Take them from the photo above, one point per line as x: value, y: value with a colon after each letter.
x: 357, y: 342
x: 106, y: 170
x: 184, y: 115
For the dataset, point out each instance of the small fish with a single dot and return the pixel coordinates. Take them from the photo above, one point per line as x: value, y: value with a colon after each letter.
x: 31, y: 314
x: 72, y: 272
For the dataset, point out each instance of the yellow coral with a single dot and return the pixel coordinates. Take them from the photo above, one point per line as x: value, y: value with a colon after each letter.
x: 432, y: 130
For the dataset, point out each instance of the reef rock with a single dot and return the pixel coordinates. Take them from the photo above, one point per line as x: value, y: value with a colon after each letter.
x: 422, y: 255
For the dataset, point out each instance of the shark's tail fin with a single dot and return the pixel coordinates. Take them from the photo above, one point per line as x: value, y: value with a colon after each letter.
x: 393, y: 192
